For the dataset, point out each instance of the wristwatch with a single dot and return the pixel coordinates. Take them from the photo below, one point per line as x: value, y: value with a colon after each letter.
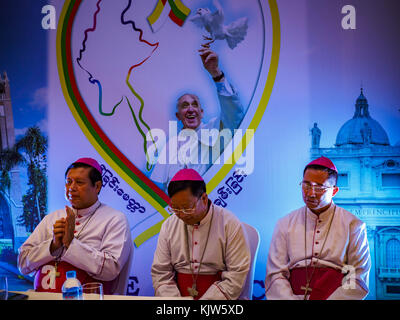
x: 218, y: 78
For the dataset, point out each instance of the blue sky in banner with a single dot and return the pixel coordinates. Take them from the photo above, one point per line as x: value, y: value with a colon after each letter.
x: 23, y: 55
x: 342, y: 60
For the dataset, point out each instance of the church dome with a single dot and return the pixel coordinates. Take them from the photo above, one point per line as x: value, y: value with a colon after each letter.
x: 362, y: 129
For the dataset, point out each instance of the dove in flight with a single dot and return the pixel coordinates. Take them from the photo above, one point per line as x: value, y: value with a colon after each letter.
x: 213, y: 23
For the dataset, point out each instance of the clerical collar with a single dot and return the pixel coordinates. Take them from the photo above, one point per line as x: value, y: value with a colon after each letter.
x: 323, y: 215
x: 206, y: 219
x: 87, y: 211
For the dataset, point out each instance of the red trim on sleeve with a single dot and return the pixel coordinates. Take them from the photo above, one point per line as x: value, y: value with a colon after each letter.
x: 270, y: 284
x: 104, y: 260
x: 226, y: 297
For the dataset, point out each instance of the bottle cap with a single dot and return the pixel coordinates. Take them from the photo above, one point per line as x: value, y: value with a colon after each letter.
x: 71, y: 274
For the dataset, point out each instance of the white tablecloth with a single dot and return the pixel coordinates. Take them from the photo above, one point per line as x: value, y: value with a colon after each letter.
x: 33, y: 295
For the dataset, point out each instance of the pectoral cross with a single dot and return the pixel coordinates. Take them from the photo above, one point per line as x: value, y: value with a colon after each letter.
x: 52, y: 277
x: 192, y: 291
x: 306, y: 289
x: 54, y: 272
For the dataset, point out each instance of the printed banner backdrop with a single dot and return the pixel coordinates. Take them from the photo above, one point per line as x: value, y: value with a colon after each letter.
x: 312, y: 80
x: 109, y: 80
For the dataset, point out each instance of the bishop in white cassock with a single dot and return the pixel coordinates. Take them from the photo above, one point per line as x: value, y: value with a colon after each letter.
x: 202, y: 249
x: 319, y: 251
x: 91, y: 238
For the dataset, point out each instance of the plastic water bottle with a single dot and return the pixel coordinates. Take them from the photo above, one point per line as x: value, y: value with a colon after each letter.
x: 72, y: 288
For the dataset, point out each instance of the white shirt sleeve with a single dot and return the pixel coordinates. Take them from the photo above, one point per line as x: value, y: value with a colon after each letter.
x: 277, y: 285
x: 232, y: 110
x: 237, y: 261
x: 162, y: 270
x: 359, y: 262
x: 35, y: 251
x: 106, y: 262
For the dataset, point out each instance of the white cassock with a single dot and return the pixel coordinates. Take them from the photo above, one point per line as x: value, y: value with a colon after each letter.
x: 346, y: 250
x: 226, y: 252
x: 101, y: 248
x: 194, y: 148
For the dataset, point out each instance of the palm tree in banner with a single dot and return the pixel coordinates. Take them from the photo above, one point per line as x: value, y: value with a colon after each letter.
x: 33, y: 145
x: 9, y: 158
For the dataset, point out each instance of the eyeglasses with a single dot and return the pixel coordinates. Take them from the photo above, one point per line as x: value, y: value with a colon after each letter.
x: 184, y: 211
x: 317, y: 188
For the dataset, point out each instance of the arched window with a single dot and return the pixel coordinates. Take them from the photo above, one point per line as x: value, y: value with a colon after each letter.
x: 393, y: 253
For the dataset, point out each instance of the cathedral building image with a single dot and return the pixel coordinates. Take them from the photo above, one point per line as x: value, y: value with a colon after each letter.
x: 12, y: 234
x: 369, y: 182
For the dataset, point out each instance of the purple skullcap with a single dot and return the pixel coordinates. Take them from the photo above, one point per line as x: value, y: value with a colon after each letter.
x: 91, y: 162
x: 323, y: 162
x: 187, y: 175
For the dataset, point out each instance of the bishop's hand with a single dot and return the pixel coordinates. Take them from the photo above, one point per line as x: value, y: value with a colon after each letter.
x: 69, y: 227
x: 58, y: 234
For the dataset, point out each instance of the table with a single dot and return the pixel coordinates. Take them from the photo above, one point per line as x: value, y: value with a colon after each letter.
x: 33, y: 295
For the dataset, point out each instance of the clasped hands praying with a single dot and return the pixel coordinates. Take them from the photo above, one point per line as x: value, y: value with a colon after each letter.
x: 63, y: 231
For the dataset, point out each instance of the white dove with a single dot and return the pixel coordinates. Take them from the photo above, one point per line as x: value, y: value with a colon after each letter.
x: 213, y: 22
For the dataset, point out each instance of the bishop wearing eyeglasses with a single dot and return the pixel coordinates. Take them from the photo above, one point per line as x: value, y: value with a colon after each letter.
x: 202, y: 250
x: 319, y: 251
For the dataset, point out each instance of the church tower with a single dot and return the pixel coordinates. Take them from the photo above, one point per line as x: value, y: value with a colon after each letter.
x: 12, y: 235
x: 7, y: 135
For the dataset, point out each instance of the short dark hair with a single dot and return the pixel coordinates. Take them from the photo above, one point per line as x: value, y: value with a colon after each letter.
x: 332, y: 174
x: 196, y: 187
x: 94, y: 175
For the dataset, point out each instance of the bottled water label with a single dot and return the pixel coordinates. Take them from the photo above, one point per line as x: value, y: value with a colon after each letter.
x: 74, y: 293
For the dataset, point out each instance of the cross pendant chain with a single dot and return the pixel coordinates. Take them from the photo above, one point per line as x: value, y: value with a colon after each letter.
x: 306, y: 289
x: 55, y: 273
x: 192, y: 290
